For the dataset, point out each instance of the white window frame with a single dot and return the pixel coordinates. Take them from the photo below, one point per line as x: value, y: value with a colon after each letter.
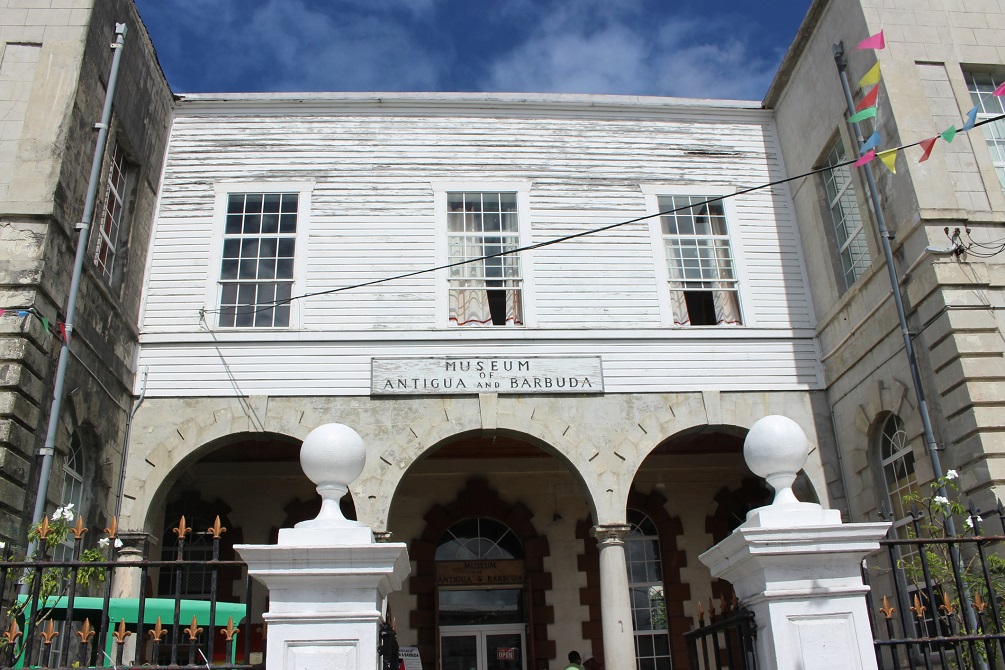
x: 522, y: 190
x: 989, y: 107
x: 856, y: 271
x: 116, y: 195
x: 223, y: 191
x: 652, y: 192
x: 899, y: 454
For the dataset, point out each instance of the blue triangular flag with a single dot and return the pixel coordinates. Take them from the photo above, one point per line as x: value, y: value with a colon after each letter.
x: 23, y: 312
x: 971, y: 119
x: 870, y: 143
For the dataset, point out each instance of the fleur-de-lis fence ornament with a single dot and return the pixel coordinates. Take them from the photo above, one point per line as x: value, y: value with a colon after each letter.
x: 918, y: 609
x: 193, y: 630
x: 120, y: 634
x: 86, y: 632
x: 231, y: 630
x: 216, y: 530
x: 50, y: 632
x: 158, y: 632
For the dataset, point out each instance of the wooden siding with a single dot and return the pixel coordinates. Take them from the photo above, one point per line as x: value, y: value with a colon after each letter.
x: 372, y: 216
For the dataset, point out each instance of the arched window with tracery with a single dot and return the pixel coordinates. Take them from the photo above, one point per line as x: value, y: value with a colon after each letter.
x: 897, y: 463
x: 645, y: 585
x: 72, y: 495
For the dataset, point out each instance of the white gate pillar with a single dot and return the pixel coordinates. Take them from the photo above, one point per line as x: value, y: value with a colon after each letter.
x: 615, y: 604
x: 327, y: 577
x: 797, y: 567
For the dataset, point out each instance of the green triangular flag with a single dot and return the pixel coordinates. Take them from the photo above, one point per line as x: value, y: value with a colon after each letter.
x: 45, y: 323
x: 949, y: 134
x: 866, y: 113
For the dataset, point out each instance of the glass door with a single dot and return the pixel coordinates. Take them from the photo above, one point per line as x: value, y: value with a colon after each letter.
x: 485, y: 648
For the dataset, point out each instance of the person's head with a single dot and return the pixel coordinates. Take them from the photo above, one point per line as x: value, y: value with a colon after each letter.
x: 574, y: 657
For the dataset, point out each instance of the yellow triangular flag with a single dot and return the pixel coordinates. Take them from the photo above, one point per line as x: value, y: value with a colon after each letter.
x: 871, y: 77
x: 889, y: 159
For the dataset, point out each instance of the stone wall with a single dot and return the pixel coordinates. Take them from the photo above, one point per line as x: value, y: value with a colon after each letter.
x: 40, y: 203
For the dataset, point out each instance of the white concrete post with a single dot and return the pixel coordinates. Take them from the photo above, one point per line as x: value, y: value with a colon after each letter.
x: 327, y: 577
x: 615, y: 604
x: 797, y: 567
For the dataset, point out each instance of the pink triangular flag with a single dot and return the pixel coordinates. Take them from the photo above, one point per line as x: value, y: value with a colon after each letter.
x: 868, y: 100
x: 1000, y: 91
x: 927, y: 146
x: 873, y: 42
x: 866, y: 157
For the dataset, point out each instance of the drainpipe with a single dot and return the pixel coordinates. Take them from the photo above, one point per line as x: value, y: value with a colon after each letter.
x: 912, y: 361
x: 125, y: 443
x: 84, y: 227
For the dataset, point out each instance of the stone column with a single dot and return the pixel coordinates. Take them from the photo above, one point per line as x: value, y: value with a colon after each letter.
x: 797, y: 567
x: 126, y: 580
x: 615, y: 604
x: 327, y: 577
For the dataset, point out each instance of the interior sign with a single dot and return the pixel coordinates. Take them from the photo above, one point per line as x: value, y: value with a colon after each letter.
x: 498, y: 374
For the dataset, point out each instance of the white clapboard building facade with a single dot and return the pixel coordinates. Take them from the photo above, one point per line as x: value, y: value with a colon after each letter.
x: 562, y: 387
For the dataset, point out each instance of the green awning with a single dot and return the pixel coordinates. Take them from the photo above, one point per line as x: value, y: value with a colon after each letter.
x: 128, y: 609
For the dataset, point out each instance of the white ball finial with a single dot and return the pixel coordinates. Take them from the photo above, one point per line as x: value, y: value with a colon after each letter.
x: 776, y: 449
x: 332, y: 456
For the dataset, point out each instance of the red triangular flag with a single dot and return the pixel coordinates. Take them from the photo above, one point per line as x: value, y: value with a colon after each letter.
x: 873, y: 42
x: 62, y: 331
x: 868, y: 100
x: 927, y: 146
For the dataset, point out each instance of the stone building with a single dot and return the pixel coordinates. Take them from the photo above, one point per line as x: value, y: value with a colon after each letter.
x: 941, y: 59
x: 585, y: 394
x: 53, y: 73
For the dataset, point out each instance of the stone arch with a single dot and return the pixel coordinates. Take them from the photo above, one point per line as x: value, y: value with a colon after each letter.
x: 478, y: 499
x: 374, y: 490
x: 885, y: 397
x: 673, y: 558
x: 150, y: 475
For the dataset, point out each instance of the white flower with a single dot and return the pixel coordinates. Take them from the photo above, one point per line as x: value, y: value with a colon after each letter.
x: 64, y: 512
x: 969, y: 523
x: 941, y: 500
x: 952, y: 474
x: 103, y: 542
x: 118, y: 543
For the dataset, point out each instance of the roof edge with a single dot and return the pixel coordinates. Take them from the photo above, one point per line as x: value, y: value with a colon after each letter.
x: 400, y: 100
x: 792, y: 54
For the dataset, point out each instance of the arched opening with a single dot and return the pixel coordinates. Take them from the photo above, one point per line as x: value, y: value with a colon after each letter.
x: 480, y: 514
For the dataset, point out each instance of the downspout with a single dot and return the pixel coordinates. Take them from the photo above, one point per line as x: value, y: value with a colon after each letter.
x: 125, y: 443
x: 84, y: 227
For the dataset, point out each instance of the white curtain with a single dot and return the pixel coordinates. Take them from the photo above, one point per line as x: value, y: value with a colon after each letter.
x: 727, y: 307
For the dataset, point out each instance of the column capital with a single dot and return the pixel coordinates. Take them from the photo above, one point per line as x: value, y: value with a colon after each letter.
x: 135, y: 544
x: 610, y: 534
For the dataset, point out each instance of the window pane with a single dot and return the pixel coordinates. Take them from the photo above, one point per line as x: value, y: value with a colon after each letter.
x: 252, y: 244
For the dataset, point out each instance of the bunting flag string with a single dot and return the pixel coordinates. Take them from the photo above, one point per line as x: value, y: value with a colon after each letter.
x: 867, y: 109
x: 57, y: 328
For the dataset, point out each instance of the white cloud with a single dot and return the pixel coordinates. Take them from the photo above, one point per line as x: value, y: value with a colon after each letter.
x: 622, y: 53
x: 292, y: 45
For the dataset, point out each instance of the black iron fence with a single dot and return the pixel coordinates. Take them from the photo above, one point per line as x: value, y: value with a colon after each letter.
x: 937, y: 602
x: 93, y: 607
x: 726, y: 642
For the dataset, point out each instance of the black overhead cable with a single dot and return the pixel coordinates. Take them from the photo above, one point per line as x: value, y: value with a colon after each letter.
x: 566, y: 238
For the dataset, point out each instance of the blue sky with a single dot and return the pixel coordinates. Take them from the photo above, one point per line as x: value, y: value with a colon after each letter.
x: 689, y: 48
